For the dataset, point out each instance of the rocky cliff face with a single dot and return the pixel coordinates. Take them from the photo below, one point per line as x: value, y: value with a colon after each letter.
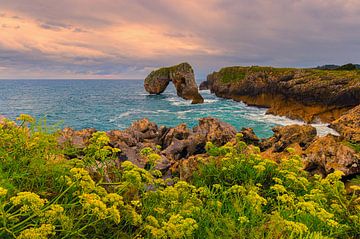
x: 305, y: 94
x: 348, y: 125
x: 182, y: 76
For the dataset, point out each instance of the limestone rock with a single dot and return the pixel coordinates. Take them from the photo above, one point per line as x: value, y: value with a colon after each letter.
x: 77, y: 138
x: 249, y: 137
x: 284, y: 136
x: 307, y: 94
x: 348, y: 125
x: 209, y: 130
x: 182, y: 76
x: 329, y: 153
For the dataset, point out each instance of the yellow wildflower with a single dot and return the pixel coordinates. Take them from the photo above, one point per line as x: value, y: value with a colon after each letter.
x: 178, y: 227
x: 54, y: 212
x: 114, y: 213
x: 29, y: 201
x: 42, y: 232
x: 25, y: 118
x: 295, y: 227
x: 353, y: 187
x: 332, y: 223
x: 243, y: 219
x: 3, y: 191
x: 278, y: 188
x: 93, y: 203
x: 114, y: 199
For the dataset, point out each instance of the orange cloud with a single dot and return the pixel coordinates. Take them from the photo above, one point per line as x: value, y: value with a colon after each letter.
x: 129, y: 39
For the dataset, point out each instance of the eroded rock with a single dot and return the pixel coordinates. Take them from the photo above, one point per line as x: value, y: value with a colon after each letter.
x: 182, y: 76
x: 329, y: 153
x: 306, y: 94
x: 348, y: 125
x: 285, y: 136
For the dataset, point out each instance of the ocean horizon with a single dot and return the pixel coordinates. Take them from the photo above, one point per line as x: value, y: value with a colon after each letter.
x: 107, y: 104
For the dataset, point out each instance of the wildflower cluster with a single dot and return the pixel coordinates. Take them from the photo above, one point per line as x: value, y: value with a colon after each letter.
x: 234, y: 193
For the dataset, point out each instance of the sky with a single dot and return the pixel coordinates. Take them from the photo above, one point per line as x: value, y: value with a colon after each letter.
x: 127, y: 39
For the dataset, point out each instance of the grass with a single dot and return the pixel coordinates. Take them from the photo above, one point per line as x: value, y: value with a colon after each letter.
x: 238, y: 73
x: 233, y: 192
x: 353, y: 145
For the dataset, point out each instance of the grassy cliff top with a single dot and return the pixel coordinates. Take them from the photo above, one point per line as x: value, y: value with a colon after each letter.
x: 237, y: 73
x: 165, y: 71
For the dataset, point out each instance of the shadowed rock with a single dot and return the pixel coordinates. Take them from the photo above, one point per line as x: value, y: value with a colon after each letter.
x: 204, y: 85
x: 182, y: 76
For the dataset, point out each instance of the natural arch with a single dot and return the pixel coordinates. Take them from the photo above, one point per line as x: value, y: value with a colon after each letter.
x: 182, y: 76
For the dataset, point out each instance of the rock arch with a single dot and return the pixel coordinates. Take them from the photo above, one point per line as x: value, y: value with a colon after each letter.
x: 181, y: 75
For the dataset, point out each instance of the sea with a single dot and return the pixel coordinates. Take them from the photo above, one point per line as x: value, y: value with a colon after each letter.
x: 115, y: 104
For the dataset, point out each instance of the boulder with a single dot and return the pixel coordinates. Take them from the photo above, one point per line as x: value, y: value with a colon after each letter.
x: 327, y: 154
x: 215, y: 131
x: 285, y: 136
x: 182, y: 76
x: 249, y: 137
x: 348, y: 125
x: 76, y: 138
x: 193, y: 142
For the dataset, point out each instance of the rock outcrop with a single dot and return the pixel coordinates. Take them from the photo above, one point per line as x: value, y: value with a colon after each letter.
x: 176, y: 143
x: 327, y: 154
x: 321, y: 155
x: 348, y: 125
x: 182, y: 76
x: 306, y: 94
x: 286, y: 136
x: 181, y: 148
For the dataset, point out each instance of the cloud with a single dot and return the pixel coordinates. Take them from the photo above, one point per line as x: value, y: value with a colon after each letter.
x: 127, y: 39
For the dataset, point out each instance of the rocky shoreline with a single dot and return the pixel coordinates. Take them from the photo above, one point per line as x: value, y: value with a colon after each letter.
x: 310, y: 95
x: 180, y: 148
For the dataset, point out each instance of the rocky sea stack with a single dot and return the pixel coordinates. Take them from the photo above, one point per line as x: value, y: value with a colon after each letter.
x: 181, y: 75
x: 307, y: 94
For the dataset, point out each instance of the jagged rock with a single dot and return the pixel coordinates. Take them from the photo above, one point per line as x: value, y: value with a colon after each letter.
x: 204, y: 85
x: 208, y: 130
x: 183, y: 78
x: 77, y: 138
x: 188, y: 166
x: 327, y: 154
x: 284, y: 136
x: 249, y: 136
x: 348, y: 125
x: 306, y: 94
x: 215, y: 131
x: 179, y: 132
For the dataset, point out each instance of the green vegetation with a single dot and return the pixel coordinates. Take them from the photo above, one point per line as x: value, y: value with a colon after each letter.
x: 353, y: 145
x: 166, y: 71
x: 234, y: 193
x: 238, y: 73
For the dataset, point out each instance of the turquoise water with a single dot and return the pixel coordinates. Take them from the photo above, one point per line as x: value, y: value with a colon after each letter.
x: 115, y: 104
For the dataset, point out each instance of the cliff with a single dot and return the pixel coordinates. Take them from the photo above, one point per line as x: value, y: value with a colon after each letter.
x: 306, y: 94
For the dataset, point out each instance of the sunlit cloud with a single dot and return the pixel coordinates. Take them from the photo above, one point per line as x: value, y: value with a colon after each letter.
x: 127, y: 39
